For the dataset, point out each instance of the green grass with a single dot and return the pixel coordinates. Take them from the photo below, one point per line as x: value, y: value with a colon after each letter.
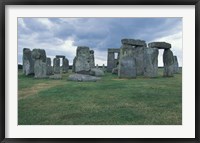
x: 110, y: 101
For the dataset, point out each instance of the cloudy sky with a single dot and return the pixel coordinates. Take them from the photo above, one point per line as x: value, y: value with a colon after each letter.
x: 61, y: 36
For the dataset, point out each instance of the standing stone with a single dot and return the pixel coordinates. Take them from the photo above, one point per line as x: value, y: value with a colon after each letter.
x: 139, y: 59
x: 28, y: 63
x: 111, y: 61
x: 56, y: 66
x: 168, y: 61
x: 82, y: 63
x: 39, y: 56
x: 73, y: 66
x: 127, y: 65
x: 97, y: 66
x: 176, y: 66
x: 151, y: 62
x: 49, y: 67
x: 65, y: 66
x: 92, y: 64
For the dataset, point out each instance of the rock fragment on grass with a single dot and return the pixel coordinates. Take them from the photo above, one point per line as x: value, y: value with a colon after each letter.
x: 56, y: 76
x: 83, y: 78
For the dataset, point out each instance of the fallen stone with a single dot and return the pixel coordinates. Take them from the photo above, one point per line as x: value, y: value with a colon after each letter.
x: 96, y: 72
x: 56, y: 76
x: 134, y: 42
x: 83, y: 78
x: 159, y: 45
x: 115, y: 70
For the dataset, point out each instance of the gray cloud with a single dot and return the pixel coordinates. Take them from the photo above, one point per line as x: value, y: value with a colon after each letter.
x: 62, y: 35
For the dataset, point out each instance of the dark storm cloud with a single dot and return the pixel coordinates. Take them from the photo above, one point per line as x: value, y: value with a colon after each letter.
x: 97, y: 33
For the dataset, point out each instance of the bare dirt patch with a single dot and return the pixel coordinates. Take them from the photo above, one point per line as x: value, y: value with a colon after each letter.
x: 34, y: 90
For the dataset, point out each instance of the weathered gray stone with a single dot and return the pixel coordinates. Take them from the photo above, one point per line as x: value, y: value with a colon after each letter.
x: 127, y: 67
x: 65, y: 66
x: 39, y: 57
x: 134, y: 42
x: 138, y: 53
x: 96, y: 72
x: 92, y: 63
x: 28, y: 63
x: 176, y: 66
x: 82, y: 78
x: 151, y: 62
x: 73, y: 66
x: 49, y: 67
x: 56, y: 76
x: 168, y: 61
x: 40, y: 69
x: 111, y: 61
x: 56, y: 66
x: 39, y: 54
x: 82, y: 63
x: 115, y: 70
x: 159, y: 45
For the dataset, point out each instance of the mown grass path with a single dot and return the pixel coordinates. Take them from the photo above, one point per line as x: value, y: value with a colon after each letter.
x: 110, y: 101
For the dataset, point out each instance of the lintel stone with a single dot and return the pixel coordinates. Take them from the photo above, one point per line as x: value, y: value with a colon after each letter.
x: 159, y: 45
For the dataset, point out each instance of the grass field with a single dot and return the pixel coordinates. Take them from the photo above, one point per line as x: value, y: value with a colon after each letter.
x: 110, y: 101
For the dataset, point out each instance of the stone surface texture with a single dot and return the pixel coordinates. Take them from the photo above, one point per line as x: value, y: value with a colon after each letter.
x: 134, y: 42
x: 151, y: 62
x: 82, y: 63
x: 28, y: 63
x: 127, y: 65
x: 39, y: 57
x: 168, y: 61
x: 176, y: 65
x: 49, y: 67
x: 56, y: 66
x: 96, y: 72
x: 65, y: 66
x: 138, y: 53
x: 91, y: 59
